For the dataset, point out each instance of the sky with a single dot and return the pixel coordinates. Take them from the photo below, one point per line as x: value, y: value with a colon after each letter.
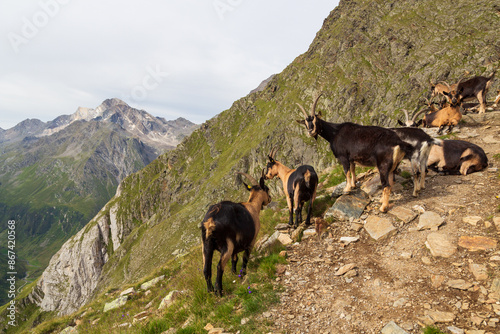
x: 172, y: 58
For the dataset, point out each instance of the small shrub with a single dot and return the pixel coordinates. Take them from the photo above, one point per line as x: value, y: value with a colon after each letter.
x: 432, y: 330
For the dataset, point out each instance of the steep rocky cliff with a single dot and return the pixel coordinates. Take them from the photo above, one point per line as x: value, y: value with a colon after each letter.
x: 371, y: 58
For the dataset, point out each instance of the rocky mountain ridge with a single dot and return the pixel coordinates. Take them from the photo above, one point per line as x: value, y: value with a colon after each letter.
x: 154, y: 131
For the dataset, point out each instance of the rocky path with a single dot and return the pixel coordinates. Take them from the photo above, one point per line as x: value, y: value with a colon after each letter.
x: 435, y: 262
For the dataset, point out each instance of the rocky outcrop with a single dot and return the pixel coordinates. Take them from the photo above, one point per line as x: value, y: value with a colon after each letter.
x: 74, y: 271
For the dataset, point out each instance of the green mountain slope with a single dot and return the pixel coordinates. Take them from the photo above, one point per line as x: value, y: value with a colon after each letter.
x: 371, y: 58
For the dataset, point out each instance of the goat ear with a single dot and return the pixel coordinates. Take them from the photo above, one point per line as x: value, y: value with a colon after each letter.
x: 419, y: 122
x: 247, y: 186
x: 319, y: 114
x: 301, y: 121
x: 400, y: 123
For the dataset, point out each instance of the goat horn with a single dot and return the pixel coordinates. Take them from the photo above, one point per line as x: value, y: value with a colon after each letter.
x: 251, y: 179
x: 313, y: 108
x: 303, y: 110
x: 406, y: 115
x: 418, y: 113
x: 273, y: 152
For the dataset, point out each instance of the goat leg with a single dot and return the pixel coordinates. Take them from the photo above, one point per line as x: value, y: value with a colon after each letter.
x: 207, y: 267
x: 385, y: 199
x: 298, y: 206
x: 234, y: 262
x: 246, y: 256
x: 290, y: 210
x: 309, y: 211
x: 225, y: 255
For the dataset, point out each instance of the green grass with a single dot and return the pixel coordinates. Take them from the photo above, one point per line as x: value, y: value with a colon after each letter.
x: 432, y: 330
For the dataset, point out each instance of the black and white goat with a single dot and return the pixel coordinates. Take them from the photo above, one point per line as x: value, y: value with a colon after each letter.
x: 299, y: 186
x: 363, y: 145
x: 231, y: 228
x: 457, y: 157
x: 421, y: 144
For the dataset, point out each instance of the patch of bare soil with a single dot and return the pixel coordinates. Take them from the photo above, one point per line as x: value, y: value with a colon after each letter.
x: 397, y: 278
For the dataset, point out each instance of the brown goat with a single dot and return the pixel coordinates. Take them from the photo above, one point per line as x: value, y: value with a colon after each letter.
x: 440, y: 88
x: 449, y: 115
x: 299, y: 185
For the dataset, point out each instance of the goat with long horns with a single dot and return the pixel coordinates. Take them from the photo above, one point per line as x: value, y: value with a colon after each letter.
x: 357, y: 144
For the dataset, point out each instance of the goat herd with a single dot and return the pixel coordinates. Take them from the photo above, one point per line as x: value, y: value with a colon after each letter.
x: 231, y: 228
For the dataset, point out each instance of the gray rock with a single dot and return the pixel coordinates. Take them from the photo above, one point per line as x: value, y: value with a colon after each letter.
x: 285, y: 239
x: 459, y: 284
x: 479, y: 271
x: 339, y: 190
x: 455, y: 330
x: 405, y: 214
x: 281, y: 227
x: 392, y: 328
x: 270, y: 241
x: 441, y: 244
x: 69, y: 330
x: 495, y: 286
x: 429, y: 220
x: 379, y: 228
x: 129, y: 291
x: 169, y: 299
x: 349, y: 206
x: 119, y: 302
x: 438, y: 316
x: 151, y: 283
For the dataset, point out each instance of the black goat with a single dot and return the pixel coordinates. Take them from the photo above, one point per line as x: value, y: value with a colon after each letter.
x: 231, y: 228
x: 421, y: 144
x: 457, y: 157
x: 299, y: 186
x: 476, y: 87
x: 365, y: 145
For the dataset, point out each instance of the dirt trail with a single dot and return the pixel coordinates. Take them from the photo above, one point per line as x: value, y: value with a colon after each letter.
x: 397, y: 278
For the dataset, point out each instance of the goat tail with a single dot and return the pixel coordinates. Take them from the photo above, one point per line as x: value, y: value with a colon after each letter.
x: 307, y: 178
x: 209, y: 227
x: 397, y: 156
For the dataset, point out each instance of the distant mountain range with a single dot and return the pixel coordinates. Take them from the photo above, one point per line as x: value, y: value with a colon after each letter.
x: 55, y: 176
x: 154, y: 131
